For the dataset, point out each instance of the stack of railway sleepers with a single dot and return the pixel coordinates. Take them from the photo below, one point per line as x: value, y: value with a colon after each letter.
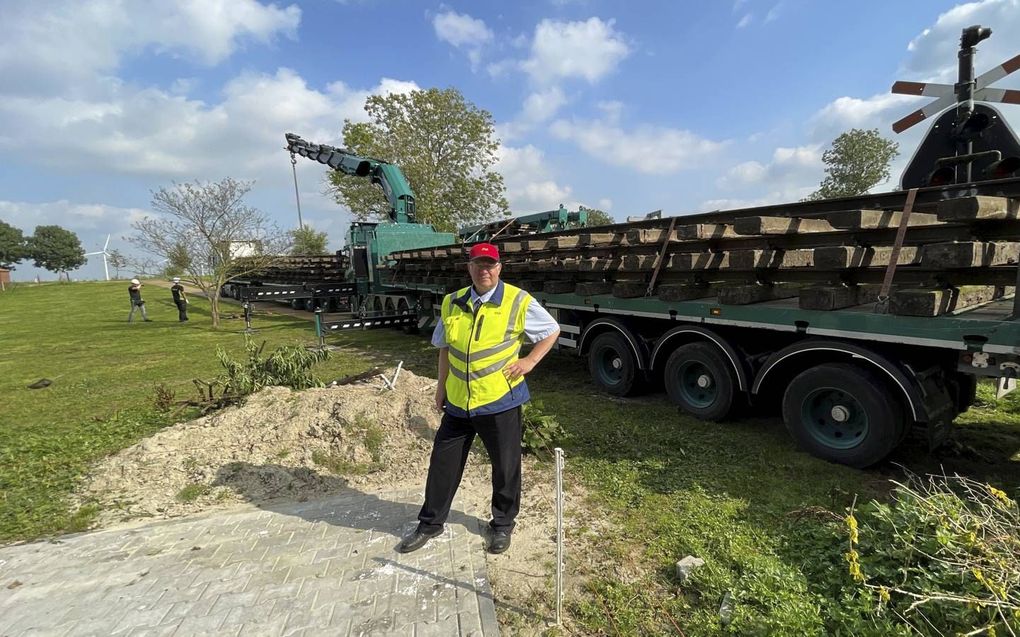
x: 300, y: 268
x: 955, y: 253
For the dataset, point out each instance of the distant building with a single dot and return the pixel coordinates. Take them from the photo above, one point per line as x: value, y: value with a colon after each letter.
x: 5, y: 278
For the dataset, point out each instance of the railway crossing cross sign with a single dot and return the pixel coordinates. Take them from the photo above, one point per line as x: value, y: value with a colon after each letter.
x: 972, y: 139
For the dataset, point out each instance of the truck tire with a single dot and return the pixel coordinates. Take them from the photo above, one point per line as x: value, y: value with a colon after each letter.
x: 843, y: 413
x: 701, y: 381
x: 612, y: 364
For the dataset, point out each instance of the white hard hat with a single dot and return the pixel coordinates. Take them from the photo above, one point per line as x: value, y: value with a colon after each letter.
x: 177, y: 279
x: 136, y: 281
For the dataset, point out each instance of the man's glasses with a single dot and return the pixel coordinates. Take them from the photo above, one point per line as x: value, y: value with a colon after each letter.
x: 484, y: 266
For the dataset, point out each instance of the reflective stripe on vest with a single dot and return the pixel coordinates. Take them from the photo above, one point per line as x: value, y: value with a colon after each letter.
x: 481, y: 345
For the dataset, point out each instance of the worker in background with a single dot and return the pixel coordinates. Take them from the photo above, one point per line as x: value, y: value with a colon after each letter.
x: 135, y: 292
x: 481, y: 390
x: 180, y: 299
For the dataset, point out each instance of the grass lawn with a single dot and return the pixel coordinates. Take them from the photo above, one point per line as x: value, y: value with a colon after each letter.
x: 104, y: 372
x: 738, y: 495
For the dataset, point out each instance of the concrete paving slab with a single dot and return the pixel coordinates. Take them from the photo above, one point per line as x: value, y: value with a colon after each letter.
x: 320, y: 567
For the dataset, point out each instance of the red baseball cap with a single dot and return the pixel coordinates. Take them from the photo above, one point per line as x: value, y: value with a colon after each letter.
x: 484, y: 251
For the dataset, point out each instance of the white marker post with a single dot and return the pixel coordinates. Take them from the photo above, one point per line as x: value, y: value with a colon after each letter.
x: 559, y: 535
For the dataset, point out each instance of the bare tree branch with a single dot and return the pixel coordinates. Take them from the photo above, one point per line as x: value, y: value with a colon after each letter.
x: 200, y: 231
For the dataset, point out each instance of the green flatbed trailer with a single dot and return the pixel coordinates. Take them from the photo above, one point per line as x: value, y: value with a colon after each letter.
x: 852, y: 384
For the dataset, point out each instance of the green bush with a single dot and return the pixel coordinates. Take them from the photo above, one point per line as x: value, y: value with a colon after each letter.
x: 943, y: 557
x: 287, y: 366
x: 540, y: 431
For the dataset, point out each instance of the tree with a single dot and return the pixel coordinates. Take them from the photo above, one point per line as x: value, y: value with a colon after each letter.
x: 598, y: 217
x: 12, y: 246
x: 444, y: 145
x: 306, y: 240
x: 202, y: 228
x: 55, y: 249
x: 857, y: 160
x: 178, y: 261
x: 117, y: 260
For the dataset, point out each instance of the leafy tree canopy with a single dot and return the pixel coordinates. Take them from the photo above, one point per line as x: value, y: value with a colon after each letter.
x: 445, y: 146
x: 307, y: 240
x: 857, y: 161
x: 12, y: 245
x: 598, y: 217
x: 55, y: 249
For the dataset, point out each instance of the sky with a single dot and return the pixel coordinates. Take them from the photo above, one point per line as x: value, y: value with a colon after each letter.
x: 678, y: 106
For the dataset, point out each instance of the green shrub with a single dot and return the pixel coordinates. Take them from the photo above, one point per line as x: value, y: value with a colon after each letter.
x: 943, y: 557
x: 540, y: 430
x: 287, y: 366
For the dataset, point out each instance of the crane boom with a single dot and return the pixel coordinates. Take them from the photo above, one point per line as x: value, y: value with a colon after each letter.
x: 388, y: 176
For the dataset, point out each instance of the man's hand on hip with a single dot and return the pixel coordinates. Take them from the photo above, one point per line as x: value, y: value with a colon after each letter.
x: 519, y: 368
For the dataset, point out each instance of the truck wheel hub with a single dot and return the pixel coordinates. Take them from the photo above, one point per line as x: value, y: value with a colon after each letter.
x: 840, y: 413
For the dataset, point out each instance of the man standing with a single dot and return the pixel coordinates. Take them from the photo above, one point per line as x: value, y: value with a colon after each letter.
x: 135, y: 292
x: 481, y: 390
x: 180, y: 299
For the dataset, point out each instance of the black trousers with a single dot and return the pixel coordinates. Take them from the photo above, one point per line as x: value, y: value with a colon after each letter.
x: 182, y: 310
x: 501, y: 434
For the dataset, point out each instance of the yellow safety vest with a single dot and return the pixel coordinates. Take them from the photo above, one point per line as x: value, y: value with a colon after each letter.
x: 481, y: 345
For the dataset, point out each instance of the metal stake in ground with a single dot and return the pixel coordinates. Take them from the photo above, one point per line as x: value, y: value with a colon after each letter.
x: 247, y: 318
x: 318, y: 328
x: 559, y: 535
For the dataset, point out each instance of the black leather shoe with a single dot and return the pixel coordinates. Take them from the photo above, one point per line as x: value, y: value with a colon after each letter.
x: 417, y: 540
x: 500, y: 542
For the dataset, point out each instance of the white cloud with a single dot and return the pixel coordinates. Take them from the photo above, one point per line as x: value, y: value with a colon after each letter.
x: 773, y: 13
x: 538, y: 107
x: 590, y: 50
x: 58, y: 47
x: 745, y: 21
x: 789, y: 175
x: 463, y: 32
x: 646, y: 149
x: 542, y: 105
x: 528, y: 186
x: 852, y: 112
x: 147, y: 131
x: 749, y: 172
x: 78, y: 217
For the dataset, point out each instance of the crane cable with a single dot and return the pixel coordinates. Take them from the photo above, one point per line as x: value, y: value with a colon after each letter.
x: 297, y: 197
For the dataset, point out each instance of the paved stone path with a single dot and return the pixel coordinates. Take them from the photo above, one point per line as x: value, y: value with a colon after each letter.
x: 326, y: 567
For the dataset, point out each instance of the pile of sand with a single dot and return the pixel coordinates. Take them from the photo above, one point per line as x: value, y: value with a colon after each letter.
x: 278, y: 444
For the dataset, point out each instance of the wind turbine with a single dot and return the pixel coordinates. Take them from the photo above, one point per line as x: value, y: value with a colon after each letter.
x: 105, y: 254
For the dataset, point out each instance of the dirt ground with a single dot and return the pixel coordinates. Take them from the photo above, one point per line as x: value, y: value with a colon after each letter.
x: 286, y: 445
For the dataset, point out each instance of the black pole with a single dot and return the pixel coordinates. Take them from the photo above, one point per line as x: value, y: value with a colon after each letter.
x: 969, y: 38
